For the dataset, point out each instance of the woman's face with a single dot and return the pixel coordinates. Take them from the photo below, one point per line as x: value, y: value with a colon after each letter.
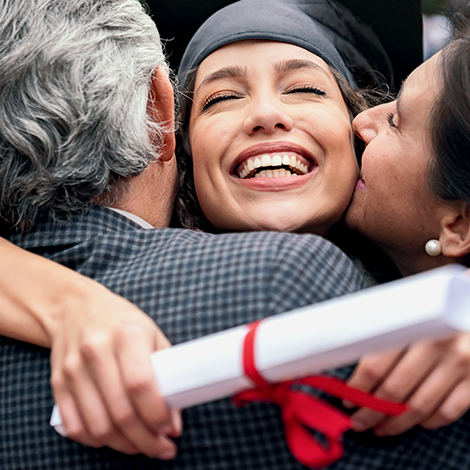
x: 391, y: 203
x: 271, y: 139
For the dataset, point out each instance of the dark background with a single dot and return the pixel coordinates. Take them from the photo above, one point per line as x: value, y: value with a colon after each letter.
x: 397, y: 23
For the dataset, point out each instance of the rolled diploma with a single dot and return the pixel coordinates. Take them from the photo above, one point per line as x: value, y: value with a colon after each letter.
x: 305, y: 341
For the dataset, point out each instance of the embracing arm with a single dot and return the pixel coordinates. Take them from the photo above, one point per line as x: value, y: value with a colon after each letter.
x: 96, y: 338
x: 32, y: 291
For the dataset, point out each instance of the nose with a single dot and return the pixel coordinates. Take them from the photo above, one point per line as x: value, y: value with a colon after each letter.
x: 267, y: 116
x: 368, y: 124
x: 365, y: 125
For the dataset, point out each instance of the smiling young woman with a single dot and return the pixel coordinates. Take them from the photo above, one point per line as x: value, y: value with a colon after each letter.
x: 266, y: 141
x: 284, y: 157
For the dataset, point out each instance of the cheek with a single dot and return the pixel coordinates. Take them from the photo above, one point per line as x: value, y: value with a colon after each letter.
x: 341, y: 162
x: 208, y: 152
x: 333, y: 130
x: 198, y: 139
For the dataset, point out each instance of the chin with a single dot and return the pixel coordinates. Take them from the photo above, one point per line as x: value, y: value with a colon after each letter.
x: 293, y: 225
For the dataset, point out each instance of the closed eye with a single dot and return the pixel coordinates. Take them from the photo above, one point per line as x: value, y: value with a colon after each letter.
x: 307, y: 89
x: 212, y: 100
x: 391, y: 122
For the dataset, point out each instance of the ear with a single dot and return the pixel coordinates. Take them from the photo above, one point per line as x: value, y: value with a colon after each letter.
x: 161, y: 109
x: 455, y: 231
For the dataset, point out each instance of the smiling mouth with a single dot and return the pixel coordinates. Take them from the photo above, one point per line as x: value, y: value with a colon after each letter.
x: 272, y: 166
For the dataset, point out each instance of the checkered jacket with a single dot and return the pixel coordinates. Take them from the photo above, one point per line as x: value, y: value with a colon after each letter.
x: 194, y: 284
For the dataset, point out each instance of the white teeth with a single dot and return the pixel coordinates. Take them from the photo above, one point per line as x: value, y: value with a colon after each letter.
x: 276, y: 160
x: 265, y: 160
x: 251, y: 166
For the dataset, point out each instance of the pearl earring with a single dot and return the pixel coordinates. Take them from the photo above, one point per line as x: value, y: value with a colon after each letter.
x: 433, y: 248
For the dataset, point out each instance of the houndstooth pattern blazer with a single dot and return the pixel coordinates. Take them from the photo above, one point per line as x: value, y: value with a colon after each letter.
x: 194, y: 284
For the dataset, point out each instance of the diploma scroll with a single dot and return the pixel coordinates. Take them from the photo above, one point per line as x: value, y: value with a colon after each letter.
x: 305, y: 341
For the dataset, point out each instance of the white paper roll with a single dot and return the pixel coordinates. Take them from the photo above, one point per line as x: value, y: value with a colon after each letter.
x: 308, y: 340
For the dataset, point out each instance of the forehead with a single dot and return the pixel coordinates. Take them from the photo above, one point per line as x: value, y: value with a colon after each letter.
x: 419, y: 91
x: 257, y: 55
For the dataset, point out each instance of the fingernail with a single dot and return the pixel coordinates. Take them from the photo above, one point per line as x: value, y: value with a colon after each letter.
x: 168, y: 454
x: 348, y: 404
x: 358, y: 426
x: 177, y: 423
x: 166, y: 430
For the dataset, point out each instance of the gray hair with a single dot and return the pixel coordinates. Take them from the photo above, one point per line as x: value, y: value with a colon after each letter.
x: 75, y: 79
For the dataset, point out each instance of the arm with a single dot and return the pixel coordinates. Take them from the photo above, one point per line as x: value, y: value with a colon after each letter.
x: 96, y: 339
x: 24, y: 298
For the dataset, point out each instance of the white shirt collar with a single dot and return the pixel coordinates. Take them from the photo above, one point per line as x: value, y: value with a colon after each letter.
x: 132, y: 217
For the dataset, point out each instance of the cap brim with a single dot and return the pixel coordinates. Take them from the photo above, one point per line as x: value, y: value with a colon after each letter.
x: 397, y: 23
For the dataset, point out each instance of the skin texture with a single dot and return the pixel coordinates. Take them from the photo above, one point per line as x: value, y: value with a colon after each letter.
x: 433, y: 378
x: 270, y: 98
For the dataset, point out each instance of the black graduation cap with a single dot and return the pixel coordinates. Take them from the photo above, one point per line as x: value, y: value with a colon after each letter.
x: 397, y: 23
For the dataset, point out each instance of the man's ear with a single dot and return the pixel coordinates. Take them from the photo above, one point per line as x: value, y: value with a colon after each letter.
x: 161, y: 109
x: 455, y: 231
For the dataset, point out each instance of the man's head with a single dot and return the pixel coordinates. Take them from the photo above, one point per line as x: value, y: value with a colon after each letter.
x: 85, y: 104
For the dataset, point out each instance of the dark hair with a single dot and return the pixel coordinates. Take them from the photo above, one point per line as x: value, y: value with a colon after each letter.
x: 449, y: 169
x: 187, y: 206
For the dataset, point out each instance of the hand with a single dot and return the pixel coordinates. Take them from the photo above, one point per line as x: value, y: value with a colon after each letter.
x: 433, y: 379
x: 102, y: 376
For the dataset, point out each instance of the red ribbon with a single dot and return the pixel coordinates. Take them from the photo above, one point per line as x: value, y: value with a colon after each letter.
x: 302, y: 411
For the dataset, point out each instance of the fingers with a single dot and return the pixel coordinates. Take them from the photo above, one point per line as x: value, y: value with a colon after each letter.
x: 452, y: 408
x: 434, y: 379
x: 371, y: 370
x: 104, y: 384
x: 368, y: 375
x: 422, y: 403
x: 128, y: 394
x: 141, y: 386
x: 443, y: 397
x: 397, y: 383
x: 84, y: 425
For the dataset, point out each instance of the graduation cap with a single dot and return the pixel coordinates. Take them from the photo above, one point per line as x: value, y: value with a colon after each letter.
x: 397, y: 24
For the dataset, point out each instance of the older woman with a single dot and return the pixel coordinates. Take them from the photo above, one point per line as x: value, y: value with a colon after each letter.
x: 413, y: 201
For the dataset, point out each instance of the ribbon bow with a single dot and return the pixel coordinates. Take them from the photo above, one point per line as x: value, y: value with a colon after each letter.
x: 302, y: 411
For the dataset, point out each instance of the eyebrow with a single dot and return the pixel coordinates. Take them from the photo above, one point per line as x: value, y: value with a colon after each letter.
x: 234, y: 71
x: 295, y: 64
